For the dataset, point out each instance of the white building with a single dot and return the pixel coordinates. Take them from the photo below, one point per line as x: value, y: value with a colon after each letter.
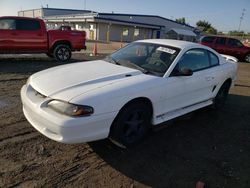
x: 110, y: 26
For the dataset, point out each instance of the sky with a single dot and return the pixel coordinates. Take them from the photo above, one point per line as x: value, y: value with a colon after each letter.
x: 224, y: 15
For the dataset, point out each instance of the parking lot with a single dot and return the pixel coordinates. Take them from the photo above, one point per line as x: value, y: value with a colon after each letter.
x: 207, y: 145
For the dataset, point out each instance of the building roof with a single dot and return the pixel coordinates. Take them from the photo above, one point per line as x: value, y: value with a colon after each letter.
x: 144, y: 15
x: 154, y: 26
x: 184, y: 32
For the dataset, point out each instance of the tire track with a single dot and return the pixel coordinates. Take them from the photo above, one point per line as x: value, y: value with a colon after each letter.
x: 19, y: 137
x: 14, y: 79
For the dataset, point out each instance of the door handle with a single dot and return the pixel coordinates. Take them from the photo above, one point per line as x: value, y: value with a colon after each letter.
x: 209, y: 78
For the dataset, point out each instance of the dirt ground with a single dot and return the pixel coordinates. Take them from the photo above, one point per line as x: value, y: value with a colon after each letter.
x: 208, y: 146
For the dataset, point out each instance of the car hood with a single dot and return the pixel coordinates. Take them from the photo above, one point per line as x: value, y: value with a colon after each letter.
x: 68, y: 81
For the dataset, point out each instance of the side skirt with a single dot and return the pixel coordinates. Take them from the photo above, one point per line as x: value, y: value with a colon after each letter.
x: 179, y: 112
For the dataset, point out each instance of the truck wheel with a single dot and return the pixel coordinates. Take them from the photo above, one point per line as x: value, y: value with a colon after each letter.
x: 132, y: 124
x: 62, y: 53
x: 221, y: 97
x: 50, y: 55
x: 247, y: 58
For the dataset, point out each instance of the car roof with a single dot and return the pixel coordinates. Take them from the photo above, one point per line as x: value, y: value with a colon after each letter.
x: 219, y: 37
x: 175, y: 43
x: 18, y: 17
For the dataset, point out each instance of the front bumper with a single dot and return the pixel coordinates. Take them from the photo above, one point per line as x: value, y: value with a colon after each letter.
x: 63, y: 128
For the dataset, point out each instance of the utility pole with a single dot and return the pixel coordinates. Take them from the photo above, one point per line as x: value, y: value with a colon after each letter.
x: 84, y: 4
x: 241, y: 18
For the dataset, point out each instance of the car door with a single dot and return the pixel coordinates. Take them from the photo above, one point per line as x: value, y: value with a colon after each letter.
x: 220, y: 45
x: 8, y: 35
x: 234, y: 47
x: 185, y: 91
x: 31, y: 37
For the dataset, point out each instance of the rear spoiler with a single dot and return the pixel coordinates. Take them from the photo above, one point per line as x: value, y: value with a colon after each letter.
x: 230, y: 58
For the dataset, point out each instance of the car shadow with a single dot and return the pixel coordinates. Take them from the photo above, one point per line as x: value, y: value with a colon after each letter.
x: 210, y: 146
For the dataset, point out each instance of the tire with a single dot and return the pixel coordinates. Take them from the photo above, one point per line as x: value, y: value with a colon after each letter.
x: 62, y: 53
x: 132, y: 124
x: 221, y: 97
x: 247, y: 58
x: 50, y: 55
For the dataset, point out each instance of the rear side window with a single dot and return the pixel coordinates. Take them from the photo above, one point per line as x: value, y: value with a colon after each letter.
x: 234, y: 43
x: 28, y: 25
x: 208, y: 39
x: 214, y: 60
x: 221, y: 41
x: 7, y: 24
x: 195, y: 59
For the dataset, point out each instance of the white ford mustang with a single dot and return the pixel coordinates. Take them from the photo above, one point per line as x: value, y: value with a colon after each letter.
x: 123, y: 96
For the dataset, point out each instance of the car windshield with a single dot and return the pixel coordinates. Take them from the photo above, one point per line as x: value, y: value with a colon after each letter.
x: 147, y: 57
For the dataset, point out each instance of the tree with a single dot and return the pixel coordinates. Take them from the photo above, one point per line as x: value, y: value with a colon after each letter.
x: 181, y: 20
x: 236, y: 33
x: 206, y: 27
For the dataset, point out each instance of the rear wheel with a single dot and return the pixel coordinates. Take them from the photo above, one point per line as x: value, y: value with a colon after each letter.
x: 247, y: 58
x: 62, y: 53
x: 221, y: 97
x: 132, y: 124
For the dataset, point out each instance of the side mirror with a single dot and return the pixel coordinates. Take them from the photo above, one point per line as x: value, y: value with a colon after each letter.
x: 184, y: 72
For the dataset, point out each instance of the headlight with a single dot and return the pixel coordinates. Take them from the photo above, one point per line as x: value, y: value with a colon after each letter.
x: 70, y: 109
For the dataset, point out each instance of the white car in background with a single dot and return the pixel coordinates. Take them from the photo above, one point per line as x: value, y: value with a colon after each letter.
x: 121, y: 97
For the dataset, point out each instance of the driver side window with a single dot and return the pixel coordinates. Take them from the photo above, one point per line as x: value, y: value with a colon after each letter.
x: 195, y: 59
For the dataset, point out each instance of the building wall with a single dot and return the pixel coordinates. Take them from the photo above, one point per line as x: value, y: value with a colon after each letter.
x: 116, y: 32
x: 49, y: 12
x: 36, y: 13
x: 55, y: 12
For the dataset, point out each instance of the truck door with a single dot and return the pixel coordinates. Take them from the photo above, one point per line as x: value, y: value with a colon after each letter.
x: 32, y: 36
x: 8, y: 35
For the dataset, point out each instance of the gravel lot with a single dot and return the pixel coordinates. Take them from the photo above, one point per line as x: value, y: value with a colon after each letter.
x: 207, y: 145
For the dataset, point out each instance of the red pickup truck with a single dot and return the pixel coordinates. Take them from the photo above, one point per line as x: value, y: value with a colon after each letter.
x: 228, y: 46
x: 29, y: 35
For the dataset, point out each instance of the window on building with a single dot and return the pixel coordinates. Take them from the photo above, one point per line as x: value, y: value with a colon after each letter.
x: 29, y: 25
x: 7, y: 24
x: 125, y: 32
x: 136, y: 32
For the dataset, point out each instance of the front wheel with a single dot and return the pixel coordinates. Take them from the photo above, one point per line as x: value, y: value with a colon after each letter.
x: 132, y: 124
x: 62, y: 53
x: 247, y: 58
x: 221, y: 97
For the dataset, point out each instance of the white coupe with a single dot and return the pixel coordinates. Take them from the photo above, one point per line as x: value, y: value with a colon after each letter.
x: 121, y: 97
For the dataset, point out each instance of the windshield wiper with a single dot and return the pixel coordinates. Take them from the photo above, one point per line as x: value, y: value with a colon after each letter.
x: 112, y: 60
x: 132, y: 65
